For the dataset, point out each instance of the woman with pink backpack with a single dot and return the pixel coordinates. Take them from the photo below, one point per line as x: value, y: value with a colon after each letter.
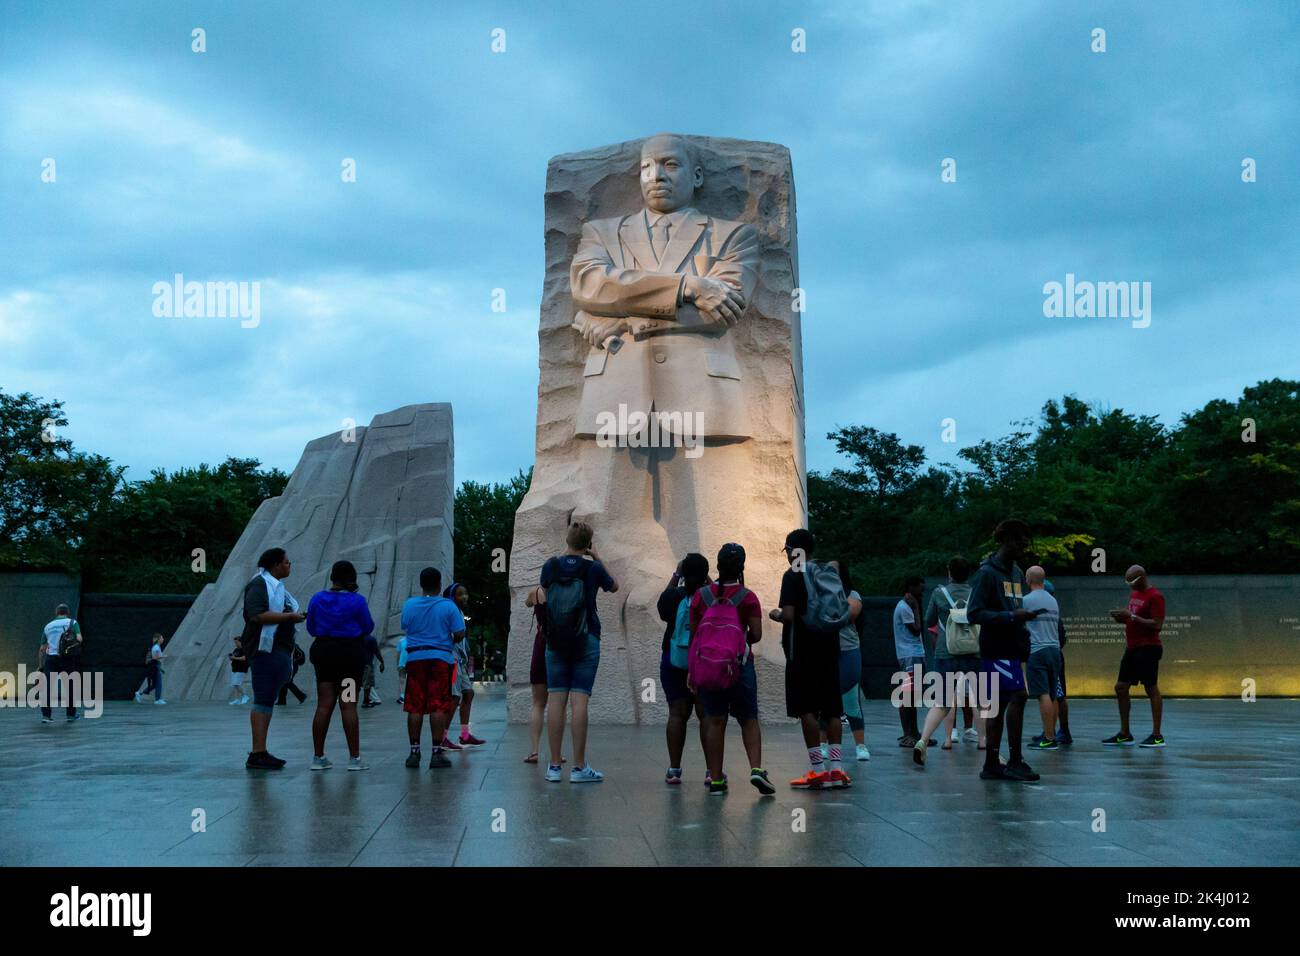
x: 726, y: 621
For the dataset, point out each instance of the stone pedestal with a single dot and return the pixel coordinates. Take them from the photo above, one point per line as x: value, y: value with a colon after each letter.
x: 648, y: 511
x: 382, y: 500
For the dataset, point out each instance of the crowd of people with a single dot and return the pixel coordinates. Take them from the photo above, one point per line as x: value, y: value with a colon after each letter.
x: 999, y: 640
x: 996, y: 627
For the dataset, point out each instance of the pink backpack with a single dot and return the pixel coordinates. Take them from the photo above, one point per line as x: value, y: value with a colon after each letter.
x: 718, y: 646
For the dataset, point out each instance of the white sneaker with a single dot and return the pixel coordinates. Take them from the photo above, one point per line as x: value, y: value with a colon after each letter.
x: 955, y: 735
x: 245, y: 699
x: 234, y: 700
x: 554, y: 774
x: 863, y: 752
x: 160, y: 701
x: 356, y: 763
x: 971, y: 735
x: 826, y: 752
x: 585, y: 774
x: 321, y: 763
x: 138, y: 699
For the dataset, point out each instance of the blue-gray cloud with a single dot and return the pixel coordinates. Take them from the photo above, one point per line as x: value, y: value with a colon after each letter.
x: 925, y: 298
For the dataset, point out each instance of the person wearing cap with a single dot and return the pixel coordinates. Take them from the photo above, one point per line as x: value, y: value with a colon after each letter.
x: 1142, y: 620
x: 740, y: 700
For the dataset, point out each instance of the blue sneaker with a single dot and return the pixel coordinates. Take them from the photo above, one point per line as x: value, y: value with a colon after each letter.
x: 585, y: 775
x: 1041, y: 742
x: 554, y: 774
x: 1064, y: 739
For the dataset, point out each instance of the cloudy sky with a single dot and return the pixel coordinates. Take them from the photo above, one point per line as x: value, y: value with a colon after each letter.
x: 925, y: 298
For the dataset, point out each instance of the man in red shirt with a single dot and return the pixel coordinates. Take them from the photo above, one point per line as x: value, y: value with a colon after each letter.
x: 1142, y: 621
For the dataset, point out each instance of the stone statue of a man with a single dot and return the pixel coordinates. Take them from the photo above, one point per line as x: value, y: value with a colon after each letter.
x: 657, y: 291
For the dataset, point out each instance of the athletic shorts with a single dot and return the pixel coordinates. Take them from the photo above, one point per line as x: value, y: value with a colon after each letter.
x: 236, y: 678
x: 464, y: 682
x: 740, y: 700
x: 1141, y: 665
x: 1043, y: 672
x: 812, y: 680
x: 1011, y: 678
x: 338, y: 659
x: 428, y: 687
x: 576, y: 675
x: 673, y: 680
x: 270, y: 672
x: 1060, y: 683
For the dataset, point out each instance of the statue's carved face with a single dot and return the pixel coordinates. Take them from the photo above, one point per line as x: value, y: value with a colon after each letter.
x: 668, y: 178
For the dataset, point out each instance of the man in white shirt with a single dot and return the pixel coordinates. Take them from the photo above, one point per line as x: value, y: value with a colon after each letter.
x: 57, y: 670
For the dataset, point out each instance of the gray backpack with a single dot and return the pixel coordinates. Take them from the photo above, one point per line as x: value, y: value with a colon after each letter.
x: 828, y: 606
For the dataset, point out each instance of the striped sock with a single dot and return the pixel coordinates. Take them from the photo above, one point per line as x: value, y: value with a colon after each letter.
x: 835, y: 756
x: 815, y: 758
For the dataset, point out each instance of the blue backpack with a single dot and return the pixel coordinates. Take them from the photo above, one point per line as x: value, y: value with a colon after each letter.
x: 679, y: 646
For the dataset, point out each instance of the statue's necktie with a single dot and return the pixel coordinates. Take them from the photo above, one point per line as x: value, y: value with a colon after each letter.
x: 659, y: 238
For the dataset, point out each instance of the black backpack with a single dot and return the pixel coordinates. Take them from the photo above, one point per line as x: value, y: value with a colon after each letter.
x: 69, y: 646
x: 566, y: 615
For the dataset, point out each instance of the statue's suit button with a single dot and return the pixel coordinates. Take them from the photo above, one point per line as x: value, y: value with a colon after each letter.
x: 661, y: 357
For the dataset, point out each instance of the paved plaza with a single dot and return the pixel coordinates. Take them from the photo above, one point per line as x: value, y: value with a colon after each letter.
x: 123, y: 790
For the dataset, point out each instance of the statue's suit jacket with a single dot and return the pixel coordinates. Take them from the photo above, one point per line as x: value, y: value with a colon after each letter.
x: 686, y: 364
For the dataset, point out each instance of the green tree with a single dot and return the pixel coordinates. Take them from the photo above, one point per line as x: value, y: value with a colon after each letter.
x: 49, y: 491
x: 145, y: 538
x: 485, y: 528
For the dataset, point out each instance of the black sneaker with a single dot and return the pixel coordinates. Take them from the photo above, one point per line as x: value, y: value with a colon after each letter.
x: 263, y: 761
x: 1154, y: 740
x: 1019, y: 771
x: 994, y: 773
x: 413, y: 760
x: 1119, y: 740
x: 274, y: 759
x: 758, y: 777
x: 438, y: 760
x: 717, y: 787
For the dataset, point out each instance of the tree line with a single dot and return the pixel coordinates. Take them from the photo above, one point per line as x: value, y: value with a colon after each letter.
x: 1217, y: 492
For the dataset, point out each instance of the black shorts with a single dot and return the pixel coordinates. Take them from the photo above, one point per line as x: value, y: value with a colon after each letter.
x: 338, y: 659
x: 1141, y: 665
x: 812, y: 679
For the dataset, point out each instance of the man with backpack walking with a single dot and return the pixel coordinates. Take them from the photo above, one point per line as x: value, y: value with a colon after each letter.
x: 62, y: 647
x: 813, y: 609
x: 956, y: 654
x: 674, y: 608
x: 572, y: 580
x: 726, y: 621
x: 997, y: 605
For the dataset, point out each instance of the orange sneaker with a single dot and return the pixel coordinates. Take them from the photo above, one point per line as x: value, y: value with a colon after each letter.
x: 811, y: 781
x: 838, y: 778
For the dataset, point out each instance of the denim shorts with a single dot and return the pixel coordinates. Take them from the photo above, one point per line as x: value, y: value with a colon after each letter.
x: 270, y: 672
x: 740, y: 700
x: 576, y: 675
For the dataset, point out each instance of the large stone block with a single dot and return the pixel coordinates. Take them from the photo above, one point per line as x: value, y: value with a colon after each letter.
x: 382, y: 501
x: 746, y: 481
